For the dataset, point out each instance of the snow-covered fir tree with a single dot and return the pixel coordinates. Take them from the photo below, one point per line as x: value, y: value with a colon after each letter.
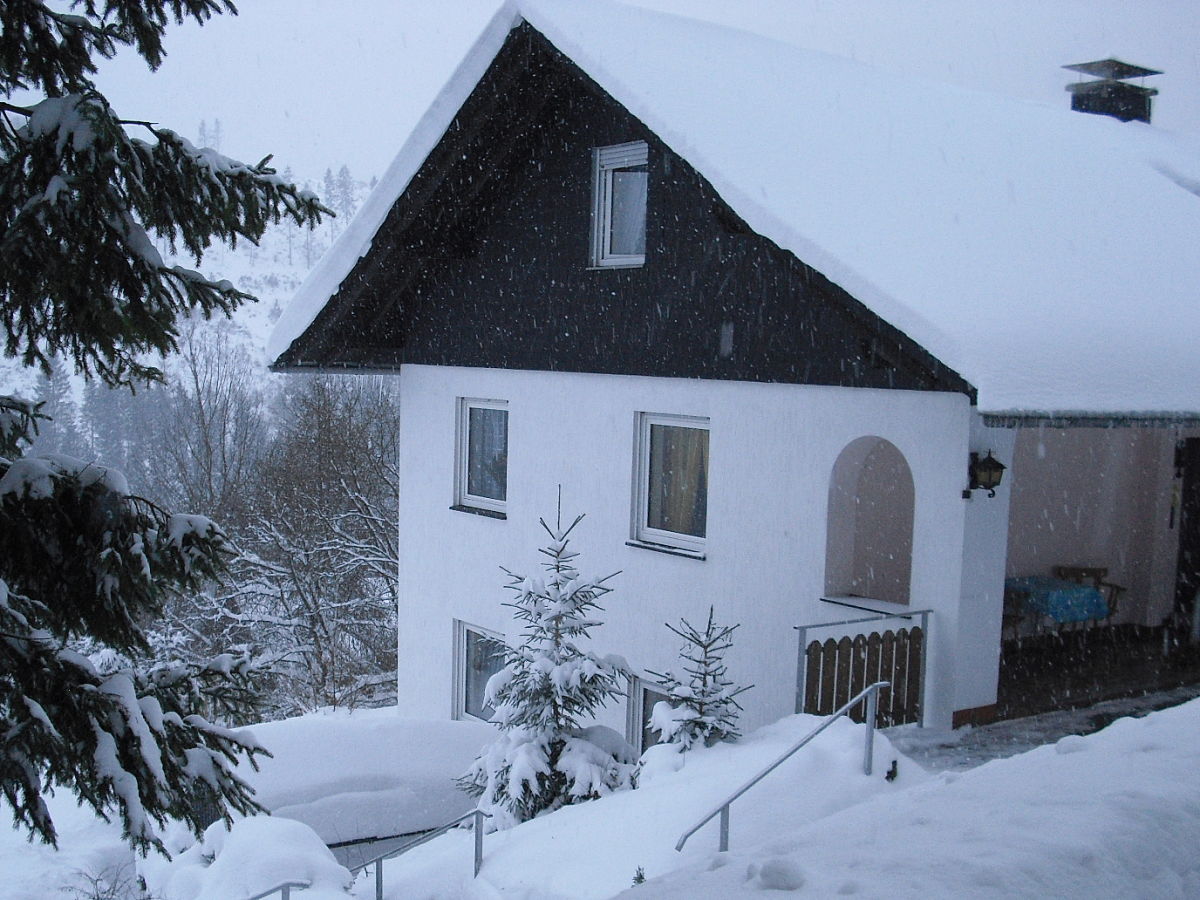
x: 85, y: 197
x: 82, y: 197
x: 544, y: 757
x: 345, y: 199
x: 701, y: 708
x: 60, y: 432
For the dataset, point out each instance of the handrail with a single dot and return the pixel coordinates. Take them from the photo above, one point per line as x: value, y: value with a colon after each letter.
x: 872, y: 695
x: 284, y: 890
x: 885, y: 613
x: 377, y: 861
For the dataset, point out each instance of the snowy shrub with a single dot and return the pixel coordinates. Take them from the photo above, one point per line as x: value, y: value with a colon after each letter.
x: 702, y: 709
x: 544, y: 758
x: 250, y: 856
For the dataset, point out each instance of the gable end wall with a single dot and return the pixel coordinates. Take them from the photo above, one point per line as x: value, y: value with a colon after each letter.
x: 484, y: 262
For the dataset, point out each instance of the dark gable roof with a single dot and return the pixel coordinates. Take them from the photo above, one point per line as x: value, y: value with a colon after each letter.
x: 461, y: 274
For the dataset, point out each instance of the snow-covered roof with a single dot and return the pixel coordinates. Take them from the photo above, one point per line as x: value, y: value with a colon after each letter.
x: 1048, y: 256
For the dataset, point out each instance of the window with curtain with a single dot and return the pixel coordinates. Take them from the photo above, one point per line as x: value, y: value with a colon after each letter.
x: 672, y: 497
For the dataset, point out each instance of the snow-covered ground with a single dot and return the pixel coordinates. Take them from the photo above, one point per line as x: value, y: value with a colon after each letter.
x: 1112, y: 814
x: 367, y: 774
x: 346, y: 775
x: 966, y: 748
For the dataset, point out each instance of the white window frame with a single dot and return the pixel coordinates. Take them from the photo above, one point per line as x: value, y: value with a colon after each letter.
x: 459, y: 675
x: 605, y: 160
x: 636, y: 712
x: 462, y: 452
x: 641, y: 532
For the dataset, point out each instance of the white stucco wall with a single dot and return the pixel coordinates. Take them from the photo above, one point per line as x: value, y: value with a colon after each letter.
x: 985, y: 546
x: 772, y: 452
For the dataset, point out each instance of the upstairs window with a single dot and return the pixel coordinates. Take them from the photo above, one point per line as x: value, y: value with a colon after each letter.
x: 619, y: 204
x: 671, y: 504
x: 482, y: 455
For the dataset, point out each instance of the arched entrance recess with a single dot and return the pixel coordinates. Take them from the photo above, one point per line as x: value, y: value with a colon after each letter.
x: 868, y: 550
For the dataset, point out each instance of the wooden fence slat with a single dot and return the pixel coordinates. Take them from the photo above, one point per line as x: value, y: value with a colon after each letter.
x: 900, y: 701
x: 812, y: 678
x: 915, y: 689
x: 858, y: 675
x: 887, y: 666
x: 873, y: 659
x: 845, y: 653
x: 828, y: 673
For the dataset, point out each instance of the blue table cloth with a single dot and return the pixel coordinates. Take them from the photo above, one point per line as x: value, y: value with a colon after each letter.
x: 1063, y: 601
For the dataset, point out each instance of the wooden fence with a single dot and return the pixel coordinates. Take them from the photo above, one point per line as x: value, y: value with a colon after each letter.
x: 836, y: 670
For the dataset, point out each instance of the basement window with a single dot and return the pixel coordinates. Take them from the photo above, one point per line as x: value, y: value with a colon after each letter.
x: 478, y: 655
x: 671, y: 488
x: 643, y: 695
x: 619, y: 187
x: 481, y: 457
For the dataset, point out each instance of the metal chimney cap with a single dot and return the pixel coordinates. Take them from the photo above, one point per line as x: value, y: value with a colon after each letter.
x: 1112, y: 68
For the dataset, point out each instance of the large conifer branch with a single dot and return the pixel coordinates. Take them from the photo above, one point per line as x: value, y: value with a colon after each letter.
x: 49, y: 50
x: 81, y: 206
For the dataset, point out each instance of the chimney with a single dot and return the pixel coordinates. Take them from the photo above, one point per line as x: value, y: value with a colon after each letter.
x: 1112, y: 95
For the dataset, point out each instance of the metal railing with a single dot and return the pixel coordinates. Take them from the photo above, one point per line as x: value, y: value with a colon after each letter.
x: 377, y: 861
x: 871, y: 693
x: 284, y: 890
x: 802, y: 644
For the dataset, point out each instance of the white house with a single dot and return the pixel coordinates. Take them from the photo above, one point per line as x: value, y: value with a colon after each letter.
x: 752, y: 308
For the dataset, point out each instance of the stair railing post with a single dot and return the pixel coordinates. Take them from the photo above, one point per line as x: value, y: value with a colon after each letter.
x: 724, y: 844
x: 801, y: 666
x: 286, y: 893
x: 379, y: 880
x: 924, y: 658
x: 478, y: 841
x: 872, y: 710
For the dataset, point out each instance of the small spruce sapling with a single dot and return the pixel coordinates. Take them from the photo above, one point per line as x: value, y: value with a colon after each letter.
x: 702, y: 709
x: 544, y: 758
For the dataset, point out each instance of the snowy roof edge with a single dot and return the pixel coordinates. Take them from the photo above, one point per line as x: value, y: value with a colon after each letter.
x: 1069, y: 188
x: 355, y: 242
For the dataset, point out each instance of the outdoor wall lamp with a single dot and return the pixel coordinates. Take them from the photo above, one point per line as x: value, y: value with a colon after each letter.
x: 983, y: 474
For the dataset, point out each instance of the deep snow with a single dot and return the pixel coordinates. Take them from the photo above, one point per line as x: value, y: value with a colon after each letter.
x: 365, y: 774
x: 1113, y: 814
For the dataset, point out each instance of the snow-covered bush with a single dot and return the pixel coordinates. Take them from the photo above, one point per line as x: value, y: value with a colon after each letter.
x: 701, y: 709
x: 544, y: 758
x: 248, y: 857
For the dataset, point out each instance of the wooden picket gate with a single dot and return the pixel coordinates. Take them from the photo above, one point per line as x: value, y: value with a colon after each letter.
x: 836, y: 670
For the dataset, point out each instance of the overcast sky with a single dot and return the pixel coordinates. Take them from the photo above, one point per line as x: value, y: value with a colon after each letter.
x: 324, y: 82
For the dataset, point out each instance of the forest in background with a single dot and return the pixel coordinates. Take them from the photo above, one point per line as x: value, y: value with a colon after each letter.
x: 299, y: 470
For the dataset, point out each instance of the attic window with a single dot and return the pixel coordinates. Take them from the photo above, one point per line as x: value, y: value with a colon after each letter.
x: 619, y: 185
